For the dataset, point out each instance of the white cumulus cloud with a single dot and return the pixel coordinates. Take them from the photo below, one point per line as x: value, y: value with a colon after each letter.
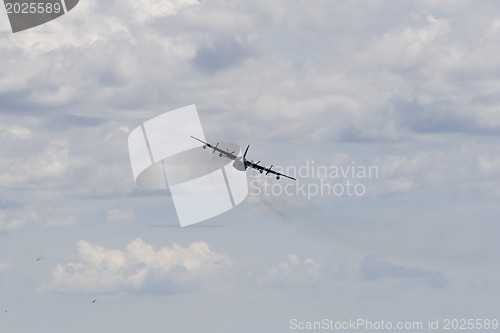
x: 140, y: 268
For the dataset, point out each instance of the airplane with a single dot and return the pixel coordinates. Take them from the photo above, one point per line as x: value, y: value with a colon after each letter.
x: 240, y: 162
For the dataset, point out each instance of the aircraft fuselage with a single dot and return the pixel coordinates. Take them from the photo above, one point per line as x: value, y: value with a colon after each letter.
x: 239, y: 163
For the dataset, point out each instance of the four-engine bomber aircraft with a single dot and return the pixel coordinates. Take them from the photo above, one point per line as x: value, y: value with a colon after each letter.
x: 240, y: 162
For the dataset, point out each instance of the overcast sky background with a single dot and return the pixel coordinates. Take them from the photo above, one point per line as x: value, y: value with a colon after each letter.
x: 412, y: 87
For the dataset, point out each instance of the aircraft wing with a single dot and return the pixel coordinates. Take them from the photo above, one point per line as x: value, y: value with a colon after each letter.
x: 267, y: 170
x: 225, y: 153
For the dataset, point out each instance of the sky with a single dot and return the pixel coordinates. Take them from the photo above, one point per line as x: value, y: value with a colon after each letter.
x: 408, y: 88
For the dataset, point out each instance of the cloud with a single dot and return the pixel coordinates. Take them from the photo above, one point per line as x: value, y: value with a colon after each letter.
x: 482, y: 282
x: 12, y: 220
x: 412, y: 87
x: 459, y: 166
x: 62, y: 221
x: 382, y: 86
x: 220, y: 55
x: 374, y: 270
x: 52, y: 163
x: 14, y: 132
x: 140, y: 268
x: 70, y: 121
x: 59, y: 168
x: 119, y: 215
x: 407, y: 46
x: 10, y: 204
x: 143, y: 11
x: 414, y: 78
x: 293, y: 273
